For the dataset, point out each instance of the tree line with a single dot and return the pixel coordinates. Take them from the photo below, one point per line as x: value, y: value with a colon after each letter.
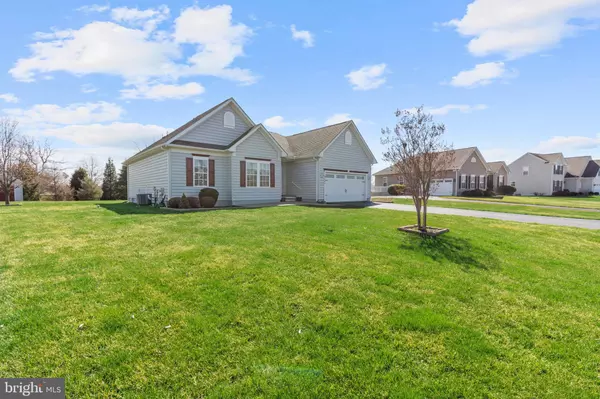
x: 31, y: 162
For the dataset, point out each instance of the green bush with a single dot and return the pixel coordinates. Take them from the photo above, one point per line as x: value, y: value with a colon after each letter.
x: 185, y: 203
x: 506, y: 190
x: 174, y: 202
x: 489, y: 193
x: 473, y: 193
x: 396, y: 189
x: 209, y: 192
x: 194, y: 202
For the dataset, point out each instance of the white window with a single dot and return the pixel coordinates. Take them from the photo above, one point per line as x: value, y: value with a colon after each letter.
x: 513, y: 184
x: 258, y: 174
x: 351, y: 177
x: 482, y: 182
x: 360, y: 177
x: 473, y: 160
x: 500, y: 180
x: 229, y: 120
x: 525, y: 170
x: 200, y: 172
x: 348, y: 138
x: 329, y: 175
x: 463, y: 181
x: 340, y: 176
x: 472, y: 182
x: 385, y: 181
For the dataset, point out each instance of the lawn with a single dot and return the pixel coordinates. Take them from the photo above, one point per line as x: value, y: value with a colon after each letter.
x: 592, y: 202
x: 508, y: 208
x: 295, y: 302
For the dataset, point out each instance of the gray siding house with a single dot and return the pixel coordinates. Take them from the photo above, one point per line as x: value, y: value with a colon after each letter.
x: 223, y: 148
x: 538, y: 174
x: 583, y: 175
x: 497, y: 174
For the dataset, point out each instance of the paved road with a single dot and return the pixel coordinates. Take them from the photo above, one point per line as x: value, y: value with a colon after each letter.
x: 512, y: 217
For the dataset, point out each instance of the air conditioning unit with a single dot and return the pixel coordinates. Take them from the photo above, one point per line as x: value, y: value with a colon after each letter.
x: 144, y: 199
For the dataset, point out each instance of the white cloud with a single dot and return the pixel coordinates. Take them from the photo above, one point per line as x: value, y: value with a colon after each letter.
x: 339, y: 118
x: 482, y: 75
x: 307, y: 38
x: 88, y: 88
x: 164, y: 91
x: 279, y: 122
x: 49, y: 114
x: 148, y: 19
x: 507, y: 155
x: 140, y: 55
x: 515, y: 28
x: 93, y: 8
x: 114, y: 134
x: 567, y: 144
x: 9, y: 98
x: 368, y: 77
x: 462, y: 108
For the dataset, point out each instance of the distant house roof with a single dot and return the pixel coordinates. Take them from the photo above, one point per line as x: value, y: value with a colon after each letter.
x: 311, y: 143
x: 495, y: 166
x: 460, y: 157
x: 591, y: 170
x: 553, y: 157
x: 577, y: 165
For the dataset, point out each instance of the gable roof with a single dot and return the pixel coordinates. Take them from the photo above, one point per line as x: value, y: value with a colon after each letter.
x: 495, y: 166
x: 591, y: 170
x: 553, y: 157
x: 576, y: 165
x: 460, y: 157
x: 311, y: 143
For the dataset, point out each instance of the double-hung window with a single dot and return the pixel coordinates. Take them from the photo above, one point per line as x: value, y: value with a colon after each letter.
x: 463, y: 181
x: 482, y: 182
x: 258, y: 174
x: 200, y: 172
x: 472, y: 182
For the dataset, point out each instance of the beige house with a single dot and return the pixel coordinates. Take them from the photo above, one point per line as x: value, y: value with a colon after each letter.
x: 583, y: 175
x: 538, y: 174
x: 497, y: 174
x: 468, y: 171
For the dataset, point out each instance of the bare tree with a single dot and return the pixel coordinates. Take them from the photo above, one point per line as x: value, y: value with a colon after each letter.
x: 39, y: 159
x: 58, y: 184
x: 12, y: 156
x: 418, y: 154
x: 93, y: 168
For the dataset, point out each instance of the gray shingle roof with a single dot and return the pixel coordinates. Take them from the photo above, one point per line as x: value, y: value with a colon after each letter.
x: 311, y: 143
x: 553, y: 157
x: 576, y: 165
x: 495, y: 166
x: 460, y: 157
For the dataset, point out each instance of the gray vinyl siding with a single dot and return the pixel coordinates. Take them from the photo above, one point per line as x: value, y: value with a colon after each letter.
x: 222, y: 177
x: 146, y: 174
x: 342, y: 156
x: 539, y: 179
x: 301, y: 179
x: 477, y: 168
x: 212, y: 130
x: 255, y: 146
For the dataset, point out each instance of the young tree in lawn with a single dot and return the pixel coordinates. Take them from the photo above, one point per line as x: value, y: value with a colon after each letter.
x: 122, y: 183
x: 89, y: 190
x: 418, y: 154
x: 109, y: 183
x: 39, y: 159
x: 12, y: 156
x: 57, y: 182
x: 77, y: 179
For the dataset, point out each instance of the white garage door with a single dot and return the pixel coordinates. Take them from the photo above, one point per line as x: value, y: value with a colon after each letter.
x: 345, y: 187
x: 442, y: 187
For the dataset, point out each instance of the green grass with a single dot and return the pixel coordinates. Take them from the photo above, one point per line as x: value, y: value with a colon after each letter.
x: 570, y: 202
x: 296, y: 302
x: 508, y: 208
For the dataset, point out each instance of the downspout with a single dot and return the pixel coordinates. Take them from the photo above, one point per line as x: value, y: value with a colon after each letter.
x: 456, y: 183
x: 168, y: 171
x: 318, y: 183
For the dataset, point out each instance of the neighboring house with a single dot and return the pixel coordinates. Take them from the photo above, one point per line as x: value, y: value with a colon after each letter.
x: 223, y: 148
x: 497, y: 174
x: 16, y: 192
x: 385, y: 178
x: 467, y: 171
x: 538, y: 174
x: 582, y: 175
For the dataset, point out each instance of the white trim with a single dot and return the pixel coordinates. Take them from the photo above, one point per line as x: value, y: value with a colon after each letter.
x: 361, y: 141
x: 266, y: 134
x: 231, y: 101
x: 169, y: 174
x: 258, y: 174
x: 194, y: 158
x: 318, y: 179
x: 229, y: 125
x: 188, y: 150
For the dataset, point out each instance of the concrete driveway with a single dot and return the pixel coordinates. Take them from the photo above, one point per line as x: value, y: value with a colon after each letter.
x: 512, y: 217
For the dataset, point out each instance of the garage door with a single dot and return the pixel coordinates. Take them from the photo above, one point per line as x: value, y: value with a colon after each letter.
x: 345, y: 187
x: 442, y: 187
x: 596, y: 187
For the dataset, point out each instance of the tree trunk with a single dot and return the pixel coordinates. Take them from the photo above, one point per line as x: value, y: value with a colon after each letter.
x: 6, y: 196
x: 417, y: 202
x: 424, y: 215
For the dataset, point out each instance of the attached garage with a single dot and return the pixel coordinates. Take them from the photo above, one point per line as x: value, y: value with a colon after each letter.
x: 345, y: 187
x: 442, y: 187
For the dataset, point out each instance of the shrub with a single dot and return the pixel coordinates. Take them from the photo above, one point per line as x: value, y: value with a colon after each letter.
x: 506, y: 190
x: 194, y: 202
x: 208, y: 192
x: 596, y: 193
x: 207, y: 202
x: 396, y: 189
x: 473, y: 193
x: 563, y: 193
x: 185, y: 203
x: 489, y: 193
x: 174, y: 202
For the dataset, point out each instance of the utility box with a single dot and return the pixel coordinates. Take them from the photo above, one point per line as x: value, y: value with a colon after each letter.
x: 144, y: 199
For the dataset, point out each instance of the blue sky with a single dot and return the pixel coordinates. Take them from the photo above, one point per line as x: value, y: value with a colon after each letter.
x: 105, y: 79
